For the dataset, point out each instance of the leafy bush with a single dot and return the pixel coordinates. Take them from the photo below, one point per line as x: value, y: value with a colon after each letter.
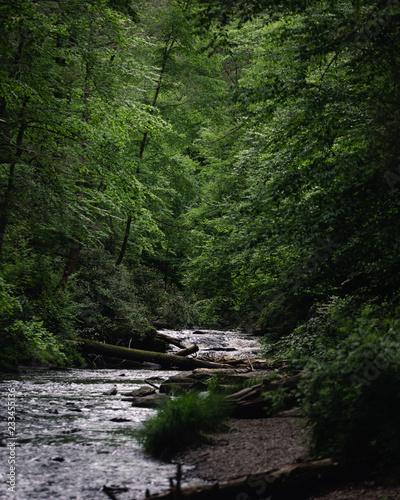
x: 182, y: 421
x: 280, y: 400
x: 116, y: 304
x: 33, y: 342
x: 26, y: 337
x: 23, y: 340
x: 41, y: 294
x: 351, y: 397
x: 313, y: 337
x: 207, y: 312
x: 108, y: 306
x: 175, y: 309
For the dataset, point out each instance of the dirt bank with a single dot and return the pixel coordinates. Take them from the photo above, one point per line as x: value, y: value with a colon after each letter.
x: 249, y: 446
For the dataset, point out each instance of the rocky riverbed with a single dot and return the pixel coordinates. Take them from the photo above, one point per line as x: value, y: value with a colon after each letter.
x: 74, y: 428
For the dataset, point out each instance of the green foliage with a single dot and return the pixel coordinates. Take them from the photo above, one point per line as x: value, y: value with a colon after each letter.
x: 351, y: 397
x: 321, y: 332
x: 26, y: 340
x: 181, y: 422
x: 35, y: 342
x: 304, y: 204
x: 214, y: 384
x: 109, y: 308
x: 77, y: 103
x: 176, y: 309
x: 219, y: 385
x: 116, y: 304
x: 41, y: 294
x: 280, y: 400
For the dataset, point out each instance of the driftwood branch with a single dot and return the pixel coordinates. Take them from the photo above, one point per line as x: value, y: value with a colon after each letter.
x: 283, y: 481
x: 250, y: 402
x: 170, y: 340
x: 189, y: 350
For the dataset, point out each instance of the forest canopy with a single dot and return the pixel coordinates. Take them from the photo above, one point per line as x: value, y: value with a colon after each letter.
x: 225, y: 164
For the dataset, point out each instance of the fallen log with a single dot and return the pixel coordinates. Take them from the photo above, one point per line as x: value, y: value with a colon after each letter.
x: 283, y: 481
x: 250, y: 402
x: 170, y: 340
x: 200, y: 378
x: 167, y: 360
x: 189, y: 350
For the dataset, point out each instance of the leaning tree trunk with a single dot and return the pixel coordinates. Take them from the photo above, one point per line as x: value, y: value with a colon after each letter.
x: 5, y: 205
x: 170, y: 340
x: 167, y: 51
x: 168, y: 360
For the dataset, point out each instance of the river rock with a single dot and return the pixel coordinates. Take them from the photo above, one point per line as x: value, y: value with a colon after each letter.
x: 145, y: 390
x: 198, y: 379
x: 150, y: 401
x: 229, y: 375
x: 183, y: 382
x: 53, y: 411
x: 112, y: 392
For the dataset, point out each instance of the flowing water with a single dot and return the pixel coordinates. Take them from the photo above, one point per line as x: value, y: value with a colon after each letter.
x: 72, y: 439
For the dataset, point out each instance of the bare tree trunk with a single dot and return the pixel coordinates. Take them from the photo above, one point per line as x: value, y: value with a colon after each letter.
x: 76, y: 247
x: 167, y: 52
x: 5, y: 205
x: 70, y: 268
x: 189, y: 350
x: 170, y: 340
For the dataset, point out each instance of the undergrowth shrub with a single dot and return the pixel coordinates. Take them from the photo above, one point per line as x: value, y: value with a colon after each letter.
x: 108, y: 306
x: 117, y: 305
x: 182, y: 421
x: 314, y: 337
x: 25, y: 338
x: 280, y: 400
x: 34, y: 281
x: 351, y: 395
x: 175, y: 309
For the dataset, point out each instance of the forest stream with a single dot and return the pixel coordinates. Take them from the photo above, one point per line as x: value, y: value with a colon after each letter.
x: 73, y: 441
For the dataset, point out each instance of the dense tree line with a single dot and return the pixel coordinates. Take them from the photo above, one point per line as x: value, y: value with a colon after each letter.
x: 100, y: 103
x: 302, y: 225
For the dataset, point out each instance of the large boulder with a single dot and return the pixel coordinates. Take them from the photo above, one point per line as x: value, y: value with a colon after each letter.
x: 145, y: 390
x: 150, y: 401
x: 183, y: 382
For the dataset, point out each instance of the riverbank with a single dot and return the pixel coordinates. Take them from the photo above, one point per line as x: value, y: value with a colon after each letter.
x: 248, y: 446
x: 252, y: 446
